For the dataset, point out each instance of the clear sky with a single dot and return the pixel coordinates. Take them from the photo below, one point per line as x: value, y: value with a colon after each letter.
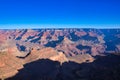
x: 57, y: 12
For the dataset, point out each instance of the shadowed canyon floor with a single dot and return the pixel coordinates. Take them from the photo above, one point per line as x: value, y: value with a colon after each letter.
x: 103, y: 68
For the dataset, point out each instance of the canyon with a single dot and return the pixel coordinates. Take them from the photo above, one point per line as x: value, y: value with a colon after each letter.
x: 65, y: 47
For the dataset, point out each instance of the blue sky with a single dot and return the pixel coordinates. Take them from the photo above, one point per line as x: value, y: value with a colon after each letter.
x: 59, y: 12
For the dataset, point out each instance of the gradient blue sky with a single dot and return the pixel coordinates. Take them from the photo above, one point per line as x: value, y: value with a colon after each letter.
x: 57, y: 12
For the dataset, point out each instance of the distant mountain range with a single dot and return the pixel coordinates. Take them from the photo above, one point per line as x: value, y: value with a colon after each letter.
x: 91, y: 41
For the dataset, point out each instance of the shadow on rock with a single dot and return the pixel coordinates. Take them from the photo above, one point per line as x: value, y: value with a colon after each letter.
x: 103, y: 68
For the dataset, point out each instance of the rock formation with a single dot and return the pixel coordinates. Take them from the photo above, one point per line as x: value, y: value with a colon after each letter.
x: 19, y: 47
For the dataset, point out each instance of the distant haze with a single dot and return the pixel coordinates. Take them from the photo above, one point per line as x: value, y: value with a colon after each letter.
x: 39, y: 26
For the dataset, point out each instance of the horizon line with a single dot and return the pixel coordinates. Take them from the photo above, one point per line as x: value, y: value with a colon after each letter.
x: 56, y: 26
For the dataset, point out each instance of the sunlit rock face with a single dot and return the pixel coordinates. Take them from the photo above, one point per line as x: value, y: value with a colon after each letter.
x: 18, y: 47
x: 97, y: 41
x: 69, y: 41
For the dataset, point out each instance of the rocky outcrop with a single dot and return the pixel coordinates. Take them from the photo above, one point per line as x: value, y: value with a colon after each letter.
x: 82, y: 58
x: 60, y: 58
x: 18, y: 51
x: 9, y: 65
